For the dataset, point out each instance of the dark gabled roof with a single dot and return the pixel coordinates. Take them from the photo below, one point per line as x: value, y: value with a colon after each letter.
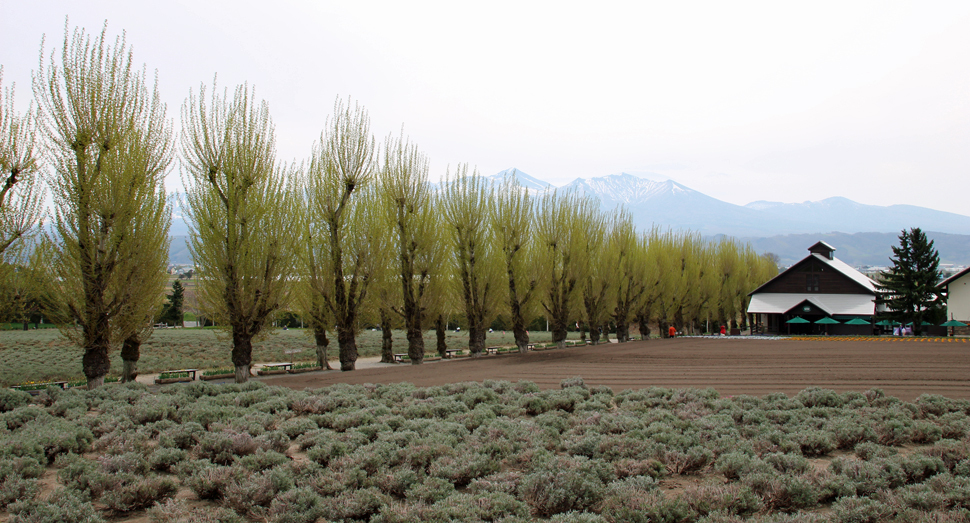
x: 861, y: 279
x: 947, y: 281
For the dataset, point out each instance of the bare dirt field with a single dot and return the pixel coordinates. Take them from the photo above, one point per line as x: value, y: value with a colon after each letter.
x: 901, y: 368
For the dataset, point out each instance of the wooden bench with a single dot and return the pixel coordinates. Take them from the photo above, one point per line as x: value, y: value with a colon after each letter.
x: 531, y: 346
x: 451, y: 353
x: 163, y: 381
x: 275, y: 368
x: 491, y: 350
x: 191, y: 372
x: 399, y: 358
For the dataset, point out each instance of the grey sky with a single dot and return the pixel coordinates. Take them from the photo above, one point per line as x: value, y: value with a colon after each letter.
x: 743, y: 101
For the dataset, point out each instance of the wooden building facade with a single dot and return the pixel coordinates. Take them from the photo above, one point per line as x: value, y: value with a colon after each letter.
x: 818, y: 286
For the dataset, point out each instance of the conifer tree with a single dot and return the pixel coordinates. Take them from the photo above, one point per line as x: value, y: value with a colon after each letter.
x: 909, y: 289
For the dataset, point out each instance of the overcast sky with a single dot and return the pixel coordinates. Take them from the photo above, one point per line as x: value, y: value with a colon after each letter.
x: 743, y: 101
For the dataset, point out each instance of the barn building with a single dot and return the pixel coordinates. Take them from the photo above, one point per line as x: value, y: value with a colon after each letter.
x: 957, y: 288
x: 816, y: 287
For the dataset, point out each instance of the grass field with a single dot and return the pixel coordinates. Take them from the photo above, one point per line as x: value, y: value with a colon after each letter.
x: 40, y: 355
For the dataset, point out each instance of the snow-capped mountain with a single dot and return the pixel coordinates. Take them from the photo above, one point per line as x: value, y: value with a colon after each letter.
x: 669, y: 204
x: 534, y: 185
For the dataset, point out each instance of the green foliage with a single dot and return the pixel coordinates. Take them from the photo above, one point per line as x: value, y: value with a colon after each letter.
x: 909, y: 289
x: 62, y: 505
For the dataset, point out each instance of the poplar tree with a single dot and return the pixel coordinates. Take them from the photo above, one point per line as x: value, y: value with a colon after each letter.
x: 475, y: 261
x: 415, y: 235
x: 241, y: 210
x: 597, y: 277
x: 626, y: 255
x: 110, y: 145
x: 558, y: 231
x: 341, y: 251
x: 513, y: 222
x: 21, y: 195
x: 148, y: 278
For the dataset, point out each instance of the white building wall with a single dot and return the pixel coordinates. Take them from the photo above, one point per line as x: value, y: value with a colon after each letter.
x: 958, y: 299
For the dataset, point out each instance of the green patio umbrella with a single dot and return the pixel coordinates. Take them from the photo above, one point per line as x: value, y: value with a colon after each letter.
x: 885, y: 323
x: 796, y: 319
x: 950, y: 324
x: 827, y: 321
x: 858, y: 321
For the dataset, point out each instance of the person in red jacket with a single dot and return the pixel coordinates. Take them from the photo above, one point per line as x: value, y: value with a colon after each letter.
x: 672, y: 332
x: 723, y: 331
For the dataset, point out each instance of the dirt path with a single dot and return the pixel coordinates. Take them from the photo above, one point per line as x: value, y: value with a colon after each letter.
x: 904, y: 369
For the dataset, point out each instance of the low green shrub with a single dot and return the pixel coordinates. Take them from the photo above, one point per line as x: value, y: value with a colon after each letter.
x: 13, y: 399
x: 295, y: 427
x: 137, y: 493
x: 61, y: 505
x: 178, y: 511
x: 164, y: 458
x: 298, y: 505
x: 14, y: 487
x: 222, y: 448
x: 861, y: 510
x: 868, y: 451
x: 565, y: 484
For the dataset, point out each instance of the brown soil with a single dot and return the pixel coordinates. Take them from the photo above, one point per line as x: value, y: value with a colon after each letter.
x: 904, y: 369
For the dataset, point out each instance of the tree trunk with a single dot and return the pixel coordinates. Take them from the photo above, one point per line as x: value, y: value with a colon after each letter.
x: 129, y: 358
x: 582, y: 333
x: 242, y: 373
x: 439, y: 329
x: 622, y: 332
x: 594, y: 334
x: 242, y: 354
x: 387, y: 343
x: 320, y: 337
x: 348, y: 347
x: 95, y: 361
x: 415, y: 343
x: 642, y: 325
x: 606, y: 332
x: 476, y: 338
x: 558, y: 327
x: 519, y: 331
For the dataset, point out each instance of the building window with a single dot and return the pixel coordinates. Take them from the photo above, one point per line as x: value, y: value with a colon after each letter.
x: 811, y: 282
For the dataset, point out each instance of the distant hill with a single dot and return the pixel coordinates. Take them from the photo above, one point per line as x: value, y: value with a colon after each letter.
x: 864, y: 248
x: 178, y: 251
x: 863, y: 234
x: 673, y: 205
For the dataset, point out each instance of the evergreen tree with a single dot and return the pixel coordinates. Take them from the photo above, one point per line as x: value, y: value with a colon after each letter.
x: 173, y: 312
x: 909, y: 290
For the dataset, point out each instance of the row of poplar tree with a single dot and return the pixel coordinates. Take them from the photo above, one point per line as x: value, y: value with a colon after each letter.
x: 354, y: 234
